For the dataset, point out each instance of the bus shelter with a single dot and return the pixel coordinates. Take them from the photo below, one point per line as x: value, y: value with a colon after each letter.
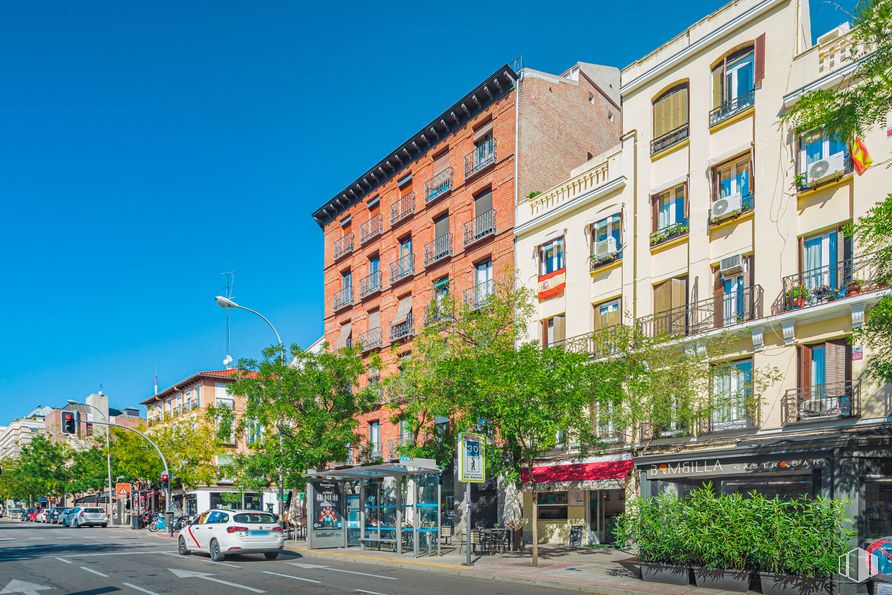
x: 390, y: 505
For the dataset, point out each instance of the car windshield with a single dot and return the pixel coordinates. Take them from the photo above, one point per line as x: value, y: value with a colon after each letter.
x: 254, y: 517
x: 92, y: 510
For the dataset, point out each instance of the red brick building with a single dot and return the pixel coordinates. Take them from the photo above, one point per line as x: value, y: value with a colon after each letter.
x: 436, y: 214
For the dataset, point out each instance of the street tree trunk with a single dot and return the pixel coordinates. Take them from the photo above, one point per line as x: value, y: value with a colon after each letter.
x: 535, y: 509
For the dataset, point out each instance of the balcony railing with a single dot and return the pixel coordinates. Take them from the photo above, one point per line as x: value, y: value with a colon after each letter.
x: 832, y: 282
x: 732, y: 106
x: 402, y: 268
x: 670, y: 232
x: 483, y: 155
x: 437, y: 250
x: 370, y: 284
x: 371, y: 228
x: 343, y: 298
x: 746, y: 205
x: 439, y: 185
x: 729, y: 417
x: 703, y: 316
x: 404, y: 207
x: 402, y: 330
x: 673, y: 137
x: 483, y: 225
x: 600, y: 343
x: 478, y: 296
x: 435, y: 313
x: 822, y: 401
x: 343, y: 246
x: 371, y: 339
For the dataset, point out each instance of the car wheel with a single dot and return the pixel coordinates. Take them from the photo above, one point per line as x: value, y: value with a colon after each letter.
x: 271, y: 555
x: 181, y: 547
x: 75, y: 525
x: 104, y: 525
x: 216, y: 554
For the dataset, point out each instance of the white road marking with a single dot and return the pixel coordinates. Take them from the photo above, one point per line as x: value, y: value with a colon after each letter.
x: 320, y: 566
x: 369, y: 592
x: 117, y: 554
x: 64, y: 560
x: 96, y: 572
x: 209, y: 577
x: 140, y: 589
x: 17, y: 586
x: 297, y: 578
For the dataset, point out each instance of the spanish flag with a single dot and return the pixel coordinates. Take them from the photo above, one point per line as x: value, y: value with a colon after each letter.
x: 860, y: 157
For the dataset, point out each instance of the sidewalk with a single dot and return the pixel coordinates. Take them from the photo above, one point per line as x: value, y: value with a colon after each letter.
x: 590, y: 570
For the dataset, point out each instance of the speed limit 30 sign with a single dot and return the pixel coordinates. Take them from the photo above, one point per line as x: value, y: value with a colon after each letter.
x: 471, y: 465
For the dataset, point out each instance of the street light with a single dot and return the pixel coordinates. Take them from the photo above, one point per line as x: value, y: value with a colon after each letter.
x: 225, y: 302
x: 107, y: 453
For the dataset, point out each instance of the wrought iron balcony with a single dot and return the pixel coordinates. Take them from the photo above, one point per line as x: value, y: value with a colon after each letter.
x: 822, y: 401
x: 370, y: 284
x: 671, y: 138
x: 401, y: 330
x: 832, y: 282
x: 402, y: 268
x: 732, y: 417
x: 600, y: 343
x: 483, y: 226
x: 483, y: 155
x: 439, y: 185
x: 371, y: 228
x: 343, y: 246
x: 437, y: 250
x: 404, y: 207
x: 478, y: 296
x: 699, y: 317
x: 371, y: 339
x: 343, y: 298
x: 731, y: 107
x: 670, y: 232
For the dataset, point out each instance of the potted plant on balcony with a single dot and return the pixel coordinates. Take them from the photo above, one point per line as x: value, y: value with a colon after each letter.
x: 657, y: 527
x: 797, y: 296
x: 854, y: 287
x: 800, y: 181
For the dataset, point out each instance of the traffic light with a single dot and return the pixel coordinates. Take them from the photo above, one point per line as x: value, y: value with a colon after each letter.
x: 165, y: 480
x: 69, y: 423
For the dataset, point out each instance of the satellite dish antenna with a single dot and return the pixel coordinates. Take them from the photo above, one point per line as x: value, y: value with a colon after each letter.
x: 227, y: 360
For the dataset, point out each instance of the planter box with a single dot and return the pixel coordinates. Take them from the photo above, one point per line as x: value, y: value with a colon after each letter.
x: 737, y: 581
x: 785, y: 584
x: 665, y: 573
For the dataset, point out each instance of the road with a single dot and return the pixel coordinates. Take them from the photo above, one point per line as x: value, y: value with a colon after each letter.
x: 37, y: 558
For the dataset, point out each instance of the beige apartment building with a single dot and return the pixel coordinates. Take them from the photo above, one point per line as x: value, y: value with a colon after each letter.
x: 711, y: 217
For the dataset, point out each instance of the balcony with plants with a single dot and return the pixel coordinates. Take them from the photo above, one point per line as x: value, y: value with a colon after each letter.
x: 837, y: 400
x: 482, y: 227
x: 438, y: 250
x: 670, y: 232
x: 370, y: 284
x: 402, y: 209
x: 402, y: 268
x: 832, y: 282
x: 705, y: 315
x: 343, y: 246
x: 438, y: 185
x: 371, y: 228
x: 483, y: 155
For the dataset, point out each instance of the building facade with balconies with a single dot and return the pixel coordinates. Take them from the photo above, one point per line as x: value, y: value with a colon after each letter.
x: 436, y: 216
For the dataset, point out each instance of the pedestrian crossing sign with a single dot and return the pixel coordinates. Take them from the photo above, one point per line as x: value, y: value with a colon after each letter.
x: 471, y: 460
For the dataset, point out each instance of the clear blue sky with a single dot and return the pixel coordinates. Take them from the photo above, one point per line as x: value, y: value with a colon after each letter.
x: 147, y: 147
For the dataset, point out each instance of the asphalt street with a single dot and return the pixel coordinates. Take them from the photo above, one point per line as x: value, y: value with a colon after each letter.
x: 36, y: 558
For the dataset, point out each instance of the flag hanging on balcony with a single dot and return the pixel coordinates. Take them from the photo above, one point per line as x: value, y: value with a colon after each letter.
x: 552, y: 284
x: 861, y: 159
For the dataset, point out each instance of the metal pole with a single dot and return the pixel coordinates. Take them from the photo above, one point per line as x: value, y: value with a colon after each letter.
x: 107, y: 462
x: 468, y: 524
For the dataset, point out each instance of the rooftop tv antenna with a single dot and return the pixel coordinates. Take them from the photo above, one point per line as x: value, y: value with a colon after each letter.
x: 227, y: 291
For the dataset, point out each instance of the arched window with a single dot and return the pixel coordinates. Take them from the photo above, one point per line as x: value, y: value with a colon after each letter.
x: 671, y: 111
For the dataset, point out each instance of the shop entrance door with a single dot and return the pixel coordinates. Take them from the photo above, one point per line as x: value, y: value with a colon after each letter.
x: 603, y: 508
x: 595, y: 517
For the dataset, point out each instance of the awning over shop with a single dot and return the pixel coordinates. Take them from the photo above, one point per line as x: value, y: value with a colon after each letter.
x: 600, y: 470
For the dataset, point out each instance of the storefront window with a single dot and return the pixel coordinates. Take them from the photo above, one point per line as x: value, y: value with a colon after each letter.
x: 236, y: 500
x: 552, y: 506
x: 877, y: 509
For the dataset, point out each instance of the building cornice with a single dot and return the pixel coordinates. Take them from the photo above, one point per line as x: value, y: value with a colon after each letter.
x: 601, y: 191
x: 831, y: 79
x: 683, y: 54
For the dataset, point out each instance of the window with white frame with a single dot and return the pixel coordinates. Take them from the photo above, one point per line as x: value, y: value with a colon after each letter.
x: 818, y: 146
x: 732, y: 388
x: 222, y: 398
x: 551, y: 256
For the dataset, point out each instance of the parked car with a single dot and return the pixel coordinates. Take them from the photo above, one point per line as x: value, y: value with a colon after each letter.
x: 15, y: 513
x: 41, y: 516
x: 222, y: 532
x: 66, y: 516
x: 88, y: 516
x: 53, y: 516
x: 32, y: 516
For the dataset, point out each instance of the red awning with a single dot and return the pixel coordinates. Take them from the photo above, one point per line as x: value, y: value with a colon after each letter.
x: 580, y: 471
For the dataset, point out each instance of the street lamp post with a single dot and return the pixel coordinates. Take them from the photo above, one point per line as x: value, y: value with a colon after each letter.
x: 107, y: 454
x: 225, y: 302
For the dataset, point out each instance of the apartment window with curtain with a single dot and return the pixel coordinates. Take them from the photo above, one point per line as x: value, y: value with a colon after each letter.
x: 669, y: 215
x: 733, y: 84
x: 553, y: 330
x: 825, y: 375
x: 733, y: 296
x: 734, y: 177
x: 551, y: 256
x: 609, y: 227
x: 826, y: 264
x: 670, y: 114
x: 732, y: 391
x: 608, y: 314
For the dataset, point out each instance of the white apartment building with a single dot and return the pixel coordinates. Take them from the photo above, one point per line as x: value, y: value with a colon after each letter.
x: 19, y: 434
x: 714, y: 218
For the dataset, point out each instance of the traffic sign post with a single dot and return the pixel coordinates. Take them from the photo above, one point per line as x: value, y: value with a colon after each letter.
x: 471, y: 469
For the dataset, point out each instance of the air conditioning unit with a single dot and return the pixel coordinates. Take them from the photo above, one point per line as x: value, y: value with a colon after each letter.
x: 726, y: 207
x: 606, y: 249
x: 826, y: 168
x: 730, y: 266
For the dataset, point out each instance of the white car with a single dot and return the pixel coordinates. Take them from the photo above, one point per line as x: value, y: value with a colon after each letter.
x: 87, y: 516
x: 222, y: 532
x: 41, y: 516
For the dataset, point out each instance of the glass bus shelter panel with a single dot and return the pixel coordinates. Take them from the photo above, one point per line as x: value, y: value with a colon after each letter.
x: 352, y: 513
x: 427, y: 514
x: 326, y: 510
x: 380, y: 512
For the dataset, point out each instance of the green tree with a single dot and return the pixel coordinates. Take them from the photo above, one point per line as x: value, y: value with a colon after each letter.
x: 865, y: 98
x: 133, y: 457
x: 42, y: 468
x: 191, y: 448
x: 88, y: 470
